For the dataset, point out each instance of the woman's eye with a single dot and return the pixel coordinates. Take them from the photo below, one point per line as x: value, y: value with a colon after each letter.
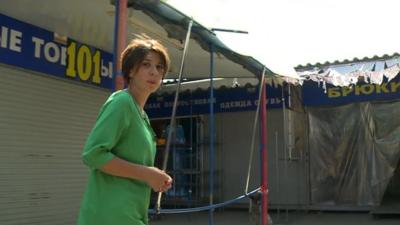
x: 146, y: 64
x: 160, y: 67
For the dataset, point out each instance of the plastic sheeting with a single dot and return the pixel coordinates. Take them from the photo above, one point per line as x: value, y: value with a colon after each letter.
x: 354, y: 151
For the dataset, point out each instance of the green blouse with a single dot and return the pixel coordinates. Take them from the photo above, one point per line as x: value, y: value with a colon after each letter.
x: 121, y: 131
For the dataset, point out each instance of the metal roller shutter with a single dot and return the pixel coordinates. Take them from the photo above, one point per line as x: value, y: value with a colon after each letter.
x: 44, y: 122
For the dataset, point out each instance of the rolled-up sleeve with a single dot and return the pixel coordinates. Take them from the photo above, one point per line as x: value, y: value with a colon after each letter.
x: 109, y: 126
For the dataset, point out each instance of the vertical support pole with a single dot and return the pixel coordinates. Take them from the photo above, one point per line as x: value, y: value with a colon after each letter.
x: 277, y: 191
x: 261, y: 87
x: 264, y: 167
x: 119, y: 42
x: 174, y: 107
x: 286, y: 146
x: 211, y: 134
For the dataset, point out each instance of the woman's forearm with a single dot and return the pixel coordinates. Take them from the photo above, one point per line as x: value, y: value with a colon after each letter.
x: 154, y: 177
x: 122, y: 168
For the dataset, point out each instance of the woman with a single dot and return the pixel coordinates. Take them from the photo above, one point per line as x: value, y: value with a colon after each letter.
x: 121, y: 148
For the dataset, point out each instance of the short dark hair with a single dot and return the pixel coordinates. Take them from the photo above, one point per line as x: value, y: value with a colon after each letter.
x: 136, y: 51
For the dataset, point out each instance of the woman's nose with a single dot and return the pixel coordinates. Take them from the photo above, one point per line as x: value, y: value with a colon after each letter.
x: 154, y: 70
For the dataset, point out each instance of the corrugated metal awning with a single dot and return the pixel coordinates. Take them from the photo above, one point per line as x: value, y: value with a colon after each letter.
x: 175, y: 23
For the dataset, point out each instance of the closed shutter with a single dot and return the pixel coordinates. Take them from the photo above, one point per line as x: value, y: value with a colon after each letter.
x: 44, y: 122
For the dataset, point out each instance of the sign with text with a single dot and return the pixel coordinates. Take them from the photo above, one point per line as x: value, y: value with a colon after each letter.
x: 314, y: 94
x: 30, y: 47
x: 225, y: 100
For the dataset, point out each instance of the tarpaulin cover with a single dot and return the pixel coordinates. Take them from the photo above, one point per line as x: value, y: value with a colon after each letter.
x: 354, y: 151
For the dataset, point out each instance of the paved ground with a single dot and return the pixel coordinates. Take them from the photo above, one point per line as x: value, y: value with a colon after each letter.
x: 242, y: 217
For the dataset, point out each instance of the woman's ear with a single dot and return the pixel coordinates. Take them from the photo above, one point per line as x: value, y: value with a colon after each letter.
x: 132, y: 71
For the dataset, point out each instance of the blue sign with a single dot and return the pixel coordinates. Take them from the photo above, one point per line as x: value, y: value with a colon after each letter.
x: 30, y: 47
x: 225, y: 100
x: 314, y: 94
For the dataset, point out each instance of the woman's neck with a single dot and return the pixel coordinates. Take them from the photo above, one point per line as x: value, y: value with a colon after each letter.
x: 139, y: 97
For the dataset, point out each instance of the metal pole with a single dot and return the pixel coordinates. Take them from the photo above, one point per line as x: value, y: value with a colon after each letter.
x: 277, y: 192
x: 119, y: 42
x: 190, y: 157
x: 172, y: 122
x: 211, y: 136
x: 285, y: 149
x: 264, y: 172
x: 230, y: 30
x: 246, y: 189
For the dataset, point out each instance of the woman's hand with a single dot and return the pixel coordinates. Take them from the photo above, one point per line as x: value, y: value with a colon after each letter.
x: 158, y: 180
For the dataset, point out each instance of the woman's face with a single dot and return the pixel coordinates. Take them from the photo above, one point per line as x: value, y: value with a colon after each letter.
x: 149, y: 75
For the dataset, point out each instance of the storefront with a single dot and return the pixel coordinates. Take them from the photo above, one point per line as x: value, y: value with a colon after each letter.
x: 50, y: 92
x: 234, y: 109
x: 352, y: 135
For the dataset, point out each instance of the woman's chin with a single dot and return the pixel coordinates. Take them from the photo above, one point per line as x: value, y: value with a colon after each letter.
x: 153, y: 89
